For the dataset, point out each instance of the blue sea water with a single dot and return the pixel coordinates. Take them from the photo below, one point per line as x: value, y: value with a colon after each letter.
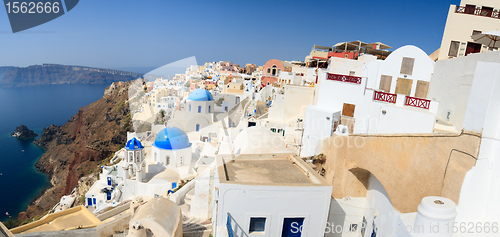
x: 36, y: 107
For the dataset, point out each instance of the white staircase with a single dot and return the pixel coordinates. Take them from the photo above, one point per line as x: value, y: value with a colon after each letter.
x: 192, y: 226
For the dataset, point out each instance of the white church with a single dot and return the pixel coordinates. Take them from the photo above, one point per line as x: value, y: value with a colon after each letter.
x: 147, y: 171
x: 172, y: 149
x: 198, y: 112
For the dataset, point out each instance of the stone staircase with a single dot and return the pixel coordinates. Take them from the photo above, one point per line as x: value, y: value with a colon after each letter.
x: 192, y: 226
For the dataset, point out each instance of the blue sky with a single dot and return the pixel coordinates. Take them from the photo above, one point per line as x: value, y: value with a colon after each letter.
x: 133, y: 33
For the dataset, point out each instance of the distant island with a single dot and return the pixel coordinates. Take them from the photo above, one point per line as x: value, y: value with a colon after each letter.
x: 48, y: 74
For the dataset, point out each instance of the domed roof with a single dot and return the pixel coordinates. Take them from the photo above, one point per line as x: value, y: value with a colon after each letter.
x: 134, y: 144
x: 172, y: 139
x: 200, y: 95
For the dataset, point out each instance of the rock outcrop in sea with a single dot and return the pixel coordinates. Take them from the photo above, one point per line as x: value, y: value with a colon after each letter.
x: 22, y: 132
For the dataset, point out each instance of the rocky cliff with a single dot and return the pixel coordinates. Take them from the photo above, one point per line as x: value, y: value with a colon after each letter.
x: 79, y: 147
x: 60, y: 74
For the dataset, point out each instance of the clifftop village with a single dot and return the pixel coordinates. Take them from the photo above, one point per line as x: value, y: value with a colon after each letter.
x: 359, y: 139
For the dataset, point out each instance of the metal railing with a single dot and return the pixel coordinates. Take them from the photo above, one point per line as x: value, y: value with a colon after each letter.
x: 228, y: 226
x: 343, y: 78
x: 478, y: 12
x: 417, y: 102
x: 238, y: 231
x: 384, y: 97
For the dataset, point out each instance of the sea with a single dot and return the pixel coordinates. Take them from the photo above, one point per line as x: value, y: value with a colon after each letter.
x: 36, y: 107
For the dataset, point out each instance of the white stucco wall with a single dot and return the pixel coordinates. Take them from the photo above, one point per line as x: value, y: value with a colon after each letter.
x: 451, y: 85
x: 175, y: 156
x: 317, y: 127
x: 133, y: 189
x: 275, y: 203
x: 483, y: 97
x: 344, y: 66
x: 480, y: 195
x: 387, y: 221
x: 398, y: 119
x: 200, y: 204
x: 422, y: 69
x: 368, y: 112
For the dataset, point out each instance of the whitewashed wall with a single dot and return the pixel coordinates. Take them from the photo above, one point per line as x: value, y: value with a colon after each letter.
x: 480, y: 194
x: 275, y: 203
x: 317, y: 127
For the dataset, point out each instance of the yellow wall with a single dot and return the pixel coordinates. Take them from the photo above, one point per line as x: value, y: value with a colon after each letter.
x: 78, y: 217
x: 459, y: 27
x: 409, y: 167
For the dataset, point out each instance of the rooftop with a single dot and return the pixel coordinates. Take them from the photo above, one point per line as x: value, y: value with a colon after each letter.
x: 267, y: 169
x: 73, y: 218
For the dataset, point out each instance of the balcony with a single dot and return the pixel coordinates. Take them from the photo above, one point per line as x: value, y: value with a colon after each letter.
x: 384, y: 97
x: 417, y: 102
x: 343, y: 78
x: 493, y: 13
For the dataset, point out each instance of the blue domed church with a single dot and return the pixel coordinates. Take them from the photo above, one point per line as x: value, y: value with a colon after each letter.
x: 198, y: 111
x: 172, y: 149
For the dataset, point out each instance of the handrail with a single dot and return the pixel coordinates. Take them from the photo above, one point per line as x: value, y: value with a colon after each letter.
x: 478, y: 12
x: 237, y: 231
x: 228, y: 226
x: 384, y: 96
x: 343, y: 78
x: 417, y: 102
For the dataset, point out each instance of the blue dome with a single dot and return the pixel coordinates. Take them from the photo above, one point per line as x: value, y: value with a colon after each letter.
x: 134, y: 144
x: 171, y: 139
x: 200, y: 95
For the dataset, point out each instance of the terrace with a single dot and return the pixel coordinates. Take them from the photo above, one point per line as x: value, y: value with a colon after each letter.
x: 478, y: 11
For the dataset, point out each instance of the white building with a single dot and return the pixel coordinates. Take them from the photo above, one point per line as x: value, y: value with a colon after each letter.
x: 172, y: 149
x: 198, y: 112
x: 468, y: 89
x: 381, y: 96
x: 133, y: 176
x: 471, y: 17
x: 268, y: 195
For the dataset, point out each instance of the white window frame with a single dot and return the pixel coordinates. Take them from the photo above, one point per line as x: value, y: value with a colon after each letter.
x: 267, y: 228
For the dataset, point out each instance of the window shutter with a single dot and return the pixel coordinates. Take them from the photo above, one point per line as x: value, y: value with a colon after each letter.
x: 403, y: 86
x: 385, y: 83
x: 348, y: 110
x: 422, y: 88
x: 407, y: 65
x: 454, y: 49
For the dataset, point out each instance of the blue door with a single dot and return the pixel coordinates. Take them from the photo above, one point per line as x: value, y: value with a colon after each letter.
x: 109, y: 181
x: 174, y: 185
x: 108, y: 196
x: 94, y: 201
x: 292, y: 227
x: 89, y: 201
